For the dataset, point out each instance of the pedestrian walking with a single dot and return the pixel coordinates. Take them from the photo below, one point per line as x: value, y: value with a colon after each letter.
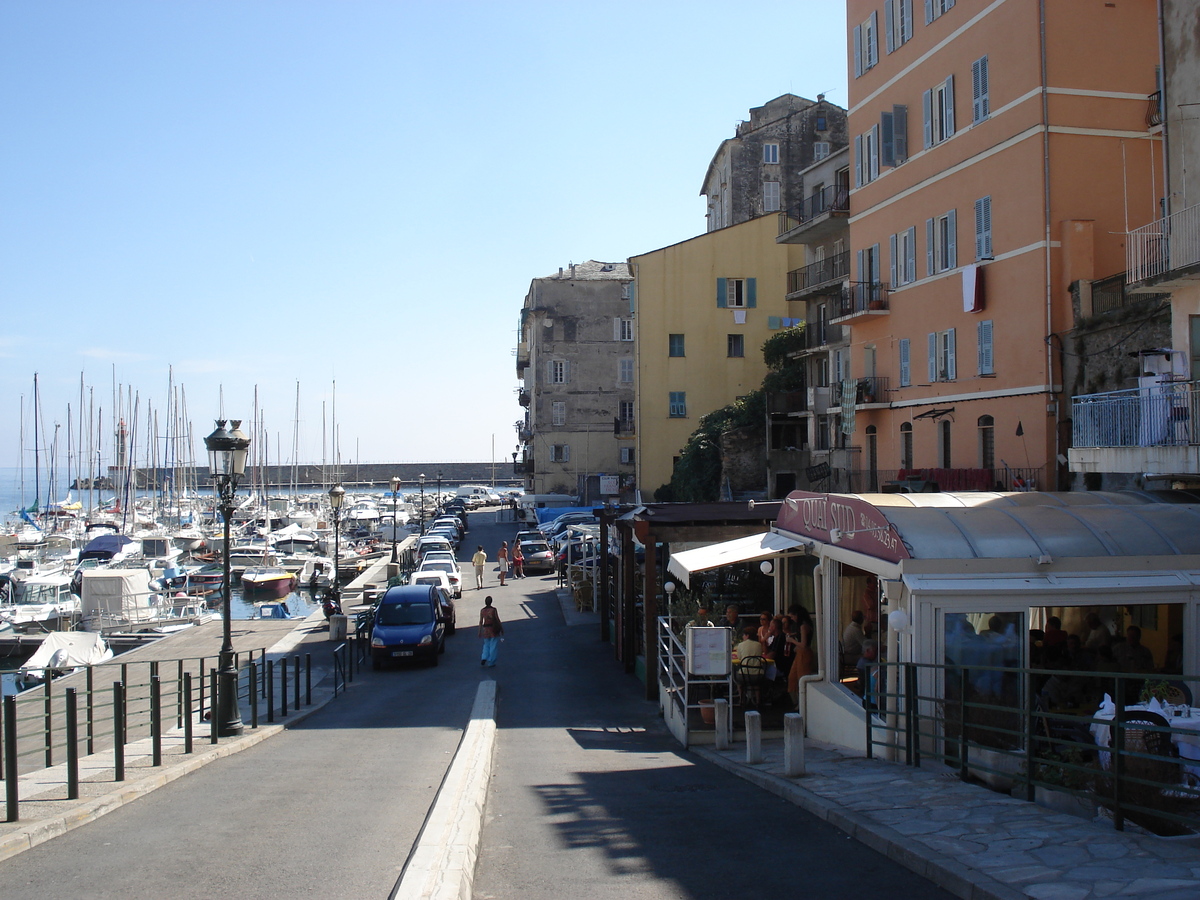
x: 502, y: 555
x: 518, y: 561
x: 479, y: 560
x: 491, y: 629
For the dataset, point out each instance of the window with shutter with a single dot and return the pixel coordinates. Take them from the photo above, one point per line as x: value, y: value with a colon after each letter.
x: 941, y: 251
x: 558, y: 413
x: 933, y: 357
x: 906, y: 446
x: 983, y: 332
x: 858, y: 56
x: 677, y: 405
x: 983, y: 228
x: 979, y: 90
x: 625, y: 371
x: 873, y: 153
x: 895, y: 269
x: 887, y: 140
x: 899, y: 134
x: 905, y: 367
x: 937, y: 106
x: 871, y: 40
x: 770, y: 196
x: 627, y: 329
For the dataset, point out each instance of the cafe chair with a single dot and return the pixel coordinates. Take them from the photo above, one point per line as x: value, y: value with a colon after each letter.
x: 1178, y: 694
x: 749, y: 675
x: 1142, y: 737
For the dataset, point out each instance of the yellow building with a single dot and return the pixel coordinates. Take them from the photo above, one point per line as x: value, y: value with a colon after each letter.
x: 703, y: 309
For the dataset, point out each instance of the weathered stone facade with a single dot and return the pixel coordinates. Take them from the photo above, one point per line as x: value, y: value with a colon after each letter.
x: 575, y: 358
x: 735, y: 183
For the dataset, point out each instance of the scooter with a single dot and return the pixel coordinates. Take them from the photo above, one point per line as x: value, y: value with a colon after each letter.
x: 330, y: 605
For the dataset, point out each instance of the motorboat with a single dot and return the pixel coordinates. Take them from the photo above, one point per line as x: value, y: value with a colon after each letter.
x: 62, y: 652
x: 271, y: 609
x: 39, y: 601
x: 275, y: 581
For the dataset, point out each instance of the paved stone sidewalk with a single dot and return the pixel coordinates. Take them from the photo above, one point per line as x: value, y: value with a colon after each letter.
x: 969, y: 840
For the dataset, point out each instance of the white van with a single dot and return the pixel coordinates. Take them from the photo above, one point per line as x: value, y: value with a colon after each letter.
x: 479, y: 494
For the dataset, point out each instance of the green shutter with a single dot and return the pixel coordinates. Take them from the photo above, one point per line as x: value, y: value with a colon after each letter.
x: 750, y: 300
x: 773, y: 323
x: 721, y: 304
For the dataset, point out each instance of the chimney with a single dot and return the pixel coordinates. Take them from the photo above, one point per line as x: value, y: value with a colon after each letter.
x: 560, y: 271
x: 572, y: 270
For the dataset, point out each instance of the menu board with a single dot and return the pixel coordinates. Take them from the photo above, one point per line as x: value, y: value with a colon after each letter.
x: 708, y: 650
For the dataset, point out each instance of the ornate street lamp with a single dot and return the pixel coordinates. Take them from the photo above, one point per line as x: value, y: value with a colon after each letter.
x: 227, y: 465
x: 337, y: 494
x: 395, y: 523
x: 421, y: 479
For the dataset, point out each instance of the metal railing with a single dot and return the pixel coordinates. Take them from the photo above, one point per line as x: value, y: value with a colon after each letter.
x: 861, y: 296
x: 1012, y: 738
x: 1113, y: 293
x: 834, y: 198
x: 1163, y: 246
x: 997, y: 479
x: 1157, y: 416
x: 872, y: 389
x: 824, y: 271
x: 684, y: 690
x: 114, y: 704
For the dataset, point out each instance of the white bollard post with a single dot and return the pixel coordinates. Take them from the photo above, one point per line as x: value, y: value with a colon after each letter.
x: 721, y: 706
x: 793, y: 745
x: 753, y: 737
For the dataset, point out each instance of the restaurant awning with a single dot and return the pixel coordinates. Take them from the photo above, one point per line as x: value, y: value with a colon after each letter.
x: 744, y: 549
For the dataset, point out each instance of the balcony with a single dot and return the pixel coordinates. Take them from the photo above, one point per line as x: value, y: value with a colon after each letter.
x: 818, y: 216
x: 522, y: 466
x: 1150, y: 429
x: 1113, y: 293
x: 1154, y: 112
x: 783, y: 403
x: 523, y: 397
x: 872, y: 392
x: 862, y: 298
x: 522, y: 357
x: 1164, y: 255
x: 624, y: 427
x: 823, y: 276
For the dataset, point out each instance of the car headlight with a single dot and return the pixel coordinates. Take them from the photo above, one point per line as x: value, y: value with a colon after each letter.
x: 427, y: 639
x: 377, y: 642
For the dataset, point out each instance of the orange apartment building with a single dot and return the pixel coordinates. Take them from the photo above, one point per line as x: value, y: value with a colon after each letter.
x: 998, y: 148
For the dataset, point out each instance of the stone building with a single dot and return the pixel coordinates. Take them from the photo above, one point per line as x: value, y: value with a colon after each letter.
x: 576, y: 363
x: 758, y: 170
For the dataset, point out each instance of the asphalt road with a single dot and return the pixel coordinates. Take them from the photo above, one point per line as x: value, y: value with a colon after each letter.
x: 590, y: 796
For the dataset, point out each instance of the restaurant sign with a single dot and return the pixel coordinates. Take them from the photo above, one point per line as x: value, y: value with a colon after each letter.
x: 861, y: 526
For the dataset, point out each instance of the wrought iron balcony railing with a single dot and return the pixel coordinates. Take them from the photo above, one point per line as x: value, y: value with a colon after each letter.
x: 863, y: 296
x: 1163, y: 246
x: 1162, y: 415
x: 834, y: 198
x: 826, y: 271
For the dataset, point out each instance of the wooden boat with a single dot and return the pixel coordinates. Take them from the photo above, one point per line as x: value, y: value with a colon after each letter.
x: 275, y: 581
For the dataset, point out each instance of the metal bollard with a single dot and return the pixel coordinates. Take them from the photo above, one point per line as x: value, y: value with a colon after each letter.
x: 753, y: 737
x: 793, y: 745
x: 72, y: 746
x: 155, y: 720
x: 283, y: 686
x: 187, y: 705
x: 308, y: 679
x: 10, y: 758
x: 212, y: 706
x: 118, y: 731
x: 179, y: 695
x: 89, y: 705
x: 49, y: 724
x: 296, y: 678
x: 721, y: 710
x: 270, y: 679
x: 253, y: 668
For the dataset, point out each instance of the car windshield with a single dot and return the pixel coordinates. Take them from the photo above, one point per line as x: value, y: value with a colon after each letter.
x: 535, y: 547
x: 427, y: 579
x: 405, y: 614
x: 438, y: 566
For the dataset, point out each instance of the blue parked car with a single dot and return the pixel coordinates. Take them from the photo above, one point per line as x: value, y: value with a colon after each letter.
x: 410, y: 623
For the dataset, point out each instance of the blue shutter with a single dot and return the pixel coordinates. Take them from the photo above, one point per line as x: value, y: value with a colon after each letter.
x: 951, y: 365
x: 889, y: 23
x: 929, y: 257
x: 858, y: 60
x: 952, y: 239
x: 950, y: 106
x: 933, y: 367
x: 751, y: 298
x: 899, y: 134
x: 858, y: 161
x: 905, y: 367
x: 773, y: 323
x: 928, y: 11
x: 721, y: 295
x: 910, y: 259
x: 927, y: 112
x: 895, y: 269
x: 887, y: 144
x: 984, y: 337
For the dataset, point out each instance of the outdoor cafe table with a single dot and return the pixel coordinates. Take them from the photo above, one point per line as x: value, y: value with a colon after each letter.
x: 1185, y: 732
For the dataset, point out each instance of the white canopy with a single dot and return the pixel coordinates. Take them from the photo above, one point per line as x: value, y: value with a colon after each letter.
x: 713, y: 556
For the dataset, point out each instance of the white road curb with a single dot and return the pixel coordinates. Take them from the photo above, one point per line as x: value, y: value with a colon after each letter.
x: 442, y: 865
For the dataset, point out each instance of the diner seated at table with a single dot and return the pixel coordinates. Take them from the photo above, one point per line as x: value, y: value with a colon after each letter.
x: 749, y: 645
x: 1132, y: 655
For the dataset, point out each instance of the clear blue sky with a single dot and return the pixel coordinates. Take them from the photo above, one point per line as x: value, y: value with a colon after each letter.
x: 257, y: 194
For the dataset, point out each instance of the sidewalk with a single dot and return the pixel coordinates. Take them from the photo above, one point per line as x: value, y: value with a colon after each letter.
x: 45, y: 811
x: 969, y: 840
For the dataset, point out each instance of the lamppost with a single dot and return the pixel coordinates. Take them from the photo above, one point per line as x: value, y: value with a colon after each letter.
x: 337, y: 494
x: 395, y: 523
x: 227, y: 465
x: 421, y: 479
